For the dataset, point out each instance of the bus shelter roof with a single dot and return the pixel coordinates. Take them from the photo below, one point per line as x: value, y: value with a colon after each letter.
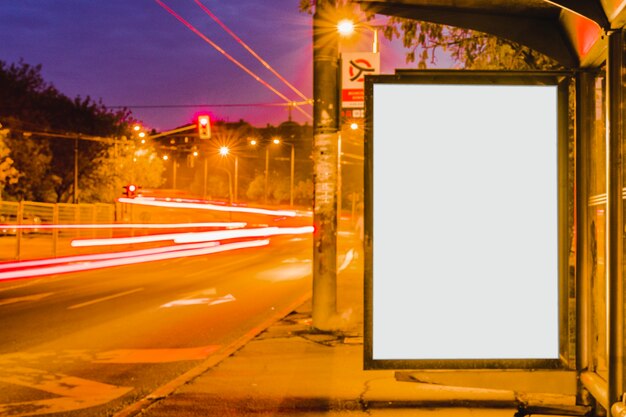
x: 573, y: 32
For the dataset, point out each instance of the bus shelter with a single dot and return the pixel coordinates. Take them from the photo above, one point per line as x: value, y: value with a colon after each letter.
x: 588, y: 38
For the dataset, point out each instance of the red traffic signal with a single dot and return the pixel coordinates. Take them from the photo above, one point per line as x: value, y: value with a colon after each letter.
x: 204, y: 127
x: 129, y: 190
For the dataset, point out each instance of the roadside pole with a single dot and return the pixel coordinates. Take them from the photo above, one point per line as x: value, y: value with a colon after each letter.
x: 325, y: 147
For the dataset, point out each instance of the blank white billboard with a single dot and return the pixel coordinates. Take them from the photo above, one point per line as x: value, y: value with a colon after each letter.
x: 464, y: 223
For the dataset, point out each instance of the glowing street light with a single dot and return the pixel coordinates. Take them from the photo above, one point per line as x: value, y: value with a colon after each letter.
x: 347, y: 27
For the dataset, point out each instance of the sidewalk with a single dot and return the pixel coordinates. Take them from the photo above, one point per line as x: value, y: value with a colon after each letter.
x: 291, y: 369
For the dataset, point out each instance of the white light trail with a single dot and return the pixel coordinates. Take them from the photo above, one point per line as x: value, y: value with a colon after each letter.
x: 60, y: 269
x: 241, y: 233
x: 128, y: 240
x: 101, y: 256
x: 191, y: 237
x: 144, y: 201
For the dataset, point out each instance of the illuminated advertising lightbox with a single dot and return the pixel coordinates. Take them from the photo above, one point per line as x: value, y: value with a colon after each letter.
x: 463, y: 235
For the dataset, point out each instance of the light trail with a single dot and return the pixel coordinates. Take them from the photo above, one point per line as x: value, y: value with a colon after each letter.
x: 101, y: 256
x: 233, y: 234
x: 150, y: 201
x: 227, y: 225
x: 107, y: 263
x: 194, y: 237
x: 129, y: 240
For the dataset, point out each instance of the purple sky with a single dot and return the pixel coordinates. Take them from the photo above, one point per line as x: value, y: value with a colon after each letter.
x: 133, y: 52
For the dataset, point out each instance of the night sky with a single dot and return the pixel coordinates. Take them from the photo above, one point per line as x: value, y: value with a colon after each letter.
x: 133, y: 53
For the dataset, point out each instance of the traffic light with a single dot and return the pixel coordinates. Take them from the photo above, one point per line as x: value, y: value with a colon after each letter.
x: 204, y: 127
x: 129, y: 190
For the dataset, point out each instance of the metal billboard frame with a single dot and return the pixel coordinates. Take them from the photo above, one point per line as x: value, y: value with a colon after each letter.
x: 560, y: 79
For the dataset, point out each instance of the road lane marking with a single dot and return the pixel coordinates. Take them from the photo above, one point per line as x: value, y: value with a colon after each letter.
x: 33, y: 297
x: 199, y: 301
x: 109, y: 297
x: 287, y: 271
x: 75, y: 393
x: 26, y: 284
x: 156, y: 355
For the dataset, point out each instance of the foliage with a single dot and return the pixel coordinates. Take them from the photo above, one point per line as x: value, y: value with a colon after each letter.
x: 31, y: 108
x: 256, y: 189
x: 8, y: 173
x: 469, y: 49
x: 303, y: 193
x: 126, y: 163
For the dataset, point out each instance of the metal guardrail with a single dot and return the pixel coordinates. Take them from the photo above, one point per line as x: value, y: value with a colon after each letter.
x: 14, y: 240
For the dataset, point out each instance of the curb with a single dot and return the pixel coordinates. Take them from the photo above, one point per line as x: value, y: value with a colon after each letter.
x: 165, y: 390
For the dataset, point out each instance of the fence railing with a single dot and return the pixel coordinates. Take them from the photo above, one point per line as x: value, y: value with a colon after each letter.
x: 26, y: 226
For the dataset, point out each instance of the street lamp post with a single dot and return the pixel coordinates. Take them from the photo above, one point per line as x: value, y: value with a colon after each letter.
x: 292, y: 169
x: 236, y: 176
x: 224, y: 152
x: 293, y: 159
x: 267, y: 171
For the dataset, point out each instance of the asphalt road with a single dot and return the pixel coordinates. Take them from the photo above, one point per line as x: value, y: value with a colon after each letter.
x: 91, y: 343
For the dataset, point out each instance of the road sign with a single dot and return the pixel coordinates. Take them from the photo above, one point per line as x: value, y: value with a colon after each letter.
x: 354, y: 67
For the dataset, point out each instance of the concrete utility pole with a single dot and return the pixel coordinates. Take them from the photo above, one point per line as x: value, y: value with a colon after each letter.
x: 325, y: 136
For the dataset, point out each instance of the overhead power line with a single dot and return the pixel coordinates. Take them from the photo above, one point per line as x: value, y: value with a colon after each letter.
x: 233, y: 60
x: 174, y: 106
x: 254, y: 54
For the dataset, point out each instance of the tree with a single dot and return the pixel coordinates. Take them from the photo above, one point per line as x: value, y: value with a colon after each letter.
x: 29, y: 106
x: 256, y: 189
x: 8, y: 173
x: 116, y: 166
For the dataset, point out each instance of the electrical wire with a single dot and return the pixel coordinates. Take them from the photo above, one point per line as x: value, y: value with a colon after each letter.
x: 173, y: 106
x: 254, y: 54
x: 233, y: 60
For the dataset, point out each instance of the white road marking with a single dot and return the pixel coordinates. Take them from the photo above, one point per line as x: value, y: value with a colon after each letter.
x: 198, y: 301
x: 109, y: 297
x: 75, y: 393
x: 34, y: 297
x: 286, y: 272
x: 26, y: 284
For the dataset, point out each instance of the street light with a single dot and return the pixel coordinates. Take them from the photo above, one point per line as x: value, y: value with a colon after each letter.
x: 291, y: 178
x: 347, y: 27
x: 254, y: 142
